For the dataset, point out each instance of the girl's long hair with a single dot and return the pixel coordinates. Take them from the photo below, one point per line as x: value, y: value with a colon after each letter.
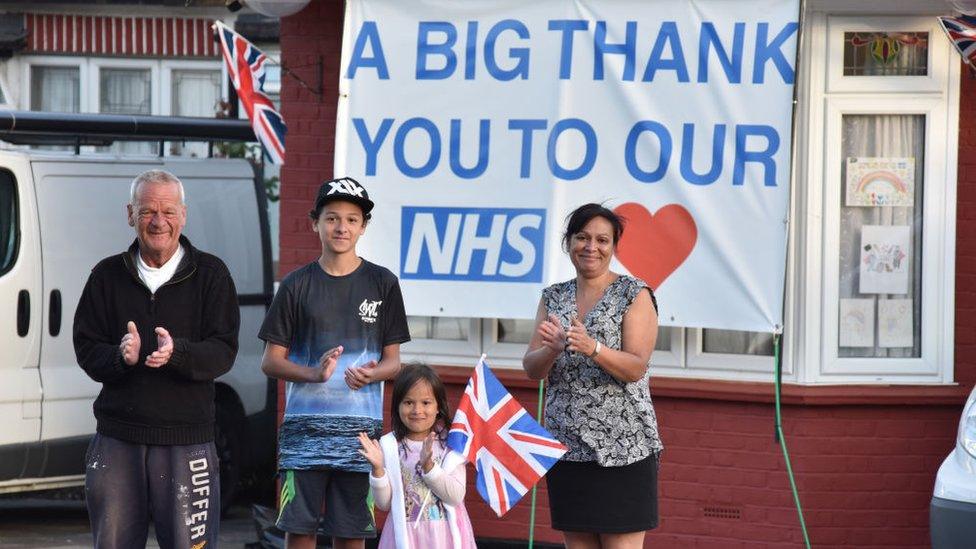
x: 405, y: 380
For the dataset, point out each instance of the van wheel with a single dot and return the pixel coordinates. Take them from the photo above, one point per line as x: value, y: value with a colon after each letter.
x: 227, y: 439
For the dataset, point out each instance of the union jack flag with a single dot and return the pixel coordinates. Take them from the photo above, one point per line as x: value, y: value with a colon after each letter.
x: 961, y: 30
x: 511, y: 452
x: 245, y: 66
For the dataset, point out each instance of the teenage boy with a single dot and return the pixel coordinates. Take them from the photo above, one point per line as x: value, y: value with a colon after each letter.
x: 333, y: 332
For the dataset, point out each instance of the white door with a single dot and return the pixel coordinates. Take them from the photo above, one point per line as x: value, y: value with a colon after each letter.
x: 20, y: 306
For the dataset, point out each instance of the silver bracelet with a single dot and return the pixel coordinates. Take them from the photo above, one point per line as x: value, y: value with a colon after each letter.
x: 596, y: 350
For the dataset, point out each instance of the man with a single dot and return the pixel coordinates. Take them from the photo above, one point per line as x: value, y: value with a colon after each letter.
x: 334, y: 332
x: 155, y: 325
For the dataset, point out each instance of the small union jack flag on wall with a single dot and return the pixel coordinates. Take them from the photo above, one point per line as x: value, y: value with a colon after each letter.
x: 245, y: 66
x: 961, y: 30
x: 510, y: 450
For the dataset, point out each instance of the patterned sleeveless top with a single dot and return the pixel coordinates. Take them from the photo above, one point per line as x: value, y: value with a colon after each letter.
x: 599, y: 418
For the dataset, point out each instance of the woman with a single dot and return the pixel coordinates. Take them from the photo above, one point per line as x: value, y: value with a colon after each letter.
x: 593, y: 341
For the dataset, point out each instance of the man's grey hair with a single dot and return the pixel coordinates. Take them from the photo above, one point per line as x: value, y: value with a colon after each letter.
x: 155, y: 176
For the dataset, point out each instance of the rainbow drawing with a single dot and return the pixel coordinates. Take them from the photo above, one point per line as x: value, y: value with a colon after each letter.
x: 880, y: 181
x: 856, y: 323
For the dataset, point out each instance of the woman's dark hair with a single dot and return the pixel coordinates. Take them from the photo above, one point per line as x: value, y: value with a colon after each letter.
x: 578, y: 218
x: 405, y: 380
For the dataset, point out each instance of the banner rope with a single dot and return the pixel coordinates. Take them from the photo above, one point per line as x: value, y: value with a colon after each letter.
x: 782, y: 439
x: 538, y: 417
x: 777, y: 334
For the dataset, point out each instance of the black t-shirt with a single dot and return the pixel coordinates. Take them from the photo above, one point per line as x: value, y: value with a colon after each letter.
x: 313, y: 312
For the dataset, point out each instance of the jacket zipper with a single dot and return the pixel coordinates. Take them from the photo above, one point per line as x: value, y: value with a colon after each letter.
x: 172, y: 281
x: 152, y: 295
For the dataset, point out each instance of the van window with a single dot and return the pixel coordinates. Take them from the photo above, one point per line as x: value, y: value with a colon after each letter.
x: 9, y: 220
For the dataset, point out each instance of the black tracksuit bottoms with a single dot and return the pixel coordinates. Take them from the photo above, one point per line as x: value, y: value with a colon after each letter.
x: 127, y: 485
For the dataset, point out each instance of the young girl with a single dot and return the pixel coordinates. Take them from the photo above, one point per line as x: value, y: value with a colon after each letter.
x: 425, y: 500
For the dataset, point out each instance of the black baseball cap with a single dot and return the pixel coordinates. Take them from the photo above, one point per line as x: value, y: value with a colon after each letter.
x: 344, y: 188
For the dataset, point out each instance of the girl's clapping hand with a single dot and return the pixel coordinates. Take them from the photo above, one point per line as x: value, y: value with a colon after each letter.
x: 427, y: 453
x: 373, y: 453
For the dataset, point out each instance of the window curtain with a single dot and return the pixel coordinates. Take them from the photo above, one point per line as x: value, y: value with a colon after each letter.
x: 515, y: 330
x: 737, y: 343
x: 126, y: 91
x: 882, y: 136
x: 433, y: 327
x: 55, y: 89
x: 194, y: 93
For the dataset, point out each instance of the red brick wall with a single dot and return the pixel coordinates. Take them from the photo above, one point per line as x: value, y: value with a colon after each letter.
x: 314, y: 33
x: 864, y: 472
x: 966, y: 233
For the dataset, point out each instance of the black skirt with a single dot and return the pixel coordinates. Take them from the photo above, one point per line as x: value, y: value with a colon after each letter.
x: 586, y: 497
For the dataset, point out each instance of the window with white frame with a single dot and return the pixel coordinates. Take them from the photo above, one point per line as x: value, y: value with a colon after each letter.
x: 888, y: 148
x: 55, y: 88
x: 124, y: 86
x: 869, y: 296
x: 194, y: 92
x: 443, y: 340
x: 461, y: 340
x: 272, y: 78
x: 126, y: 90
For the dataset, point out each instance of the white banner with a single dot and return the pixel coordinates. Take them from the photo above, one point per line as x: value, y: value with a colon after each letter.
x: 477, y: 126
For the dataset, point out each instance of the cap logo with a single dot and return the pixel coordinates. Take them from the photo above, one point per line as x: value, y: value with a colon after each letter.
x: 345, y: 186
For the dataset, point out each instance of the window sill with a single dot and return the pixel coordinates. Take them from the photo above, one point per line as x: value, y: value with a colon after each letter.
x: 739, y: 391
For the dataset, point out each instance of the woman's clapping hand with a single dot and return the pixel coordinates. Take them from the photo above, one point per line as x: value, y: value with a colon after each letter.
x: 552, y: 334
x: 578, y: 341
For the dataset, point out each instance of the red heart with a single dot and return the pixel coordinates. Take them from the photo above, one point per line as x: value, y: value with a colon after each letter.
x: 655, y: 245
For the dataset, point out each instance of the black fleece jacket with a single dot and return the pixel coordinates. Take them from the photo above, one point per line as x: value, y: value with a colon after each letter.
x: 173, y: 404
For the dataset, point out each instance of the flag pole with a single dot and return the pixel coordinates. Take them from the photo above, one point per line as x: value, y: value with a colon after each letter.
x: 538, y: 417
x: 288, y: 71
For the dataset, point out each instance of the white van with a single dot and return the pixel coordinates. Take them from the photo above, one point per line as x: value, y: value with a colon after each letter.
x: 60, y: 213
x: 952, y: 512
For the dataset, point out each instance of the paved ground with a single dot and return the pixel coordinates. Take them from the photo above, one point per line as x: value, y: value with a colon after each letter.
x: 63, y: 524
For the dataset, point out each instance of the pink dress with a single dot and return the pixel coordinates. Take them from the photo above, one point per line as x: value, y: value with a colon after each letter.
x: 425, y: 495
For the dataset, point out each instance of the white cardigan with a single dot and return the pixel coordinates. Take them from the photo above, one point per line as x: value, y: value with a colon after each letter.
x: 398, y: 514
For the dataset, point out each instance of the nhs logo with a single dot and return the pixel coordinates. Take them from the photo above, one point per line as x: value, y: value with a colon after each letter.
x: 492, y: 244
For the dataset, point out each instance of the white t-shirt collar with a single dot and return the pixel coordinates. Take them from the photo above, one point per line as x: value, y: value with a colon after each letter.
x: 154, y: 277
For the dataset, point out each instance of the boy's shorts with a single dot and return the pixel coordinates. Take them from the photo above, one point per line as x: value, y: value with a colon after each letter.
x: 343, y: 496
